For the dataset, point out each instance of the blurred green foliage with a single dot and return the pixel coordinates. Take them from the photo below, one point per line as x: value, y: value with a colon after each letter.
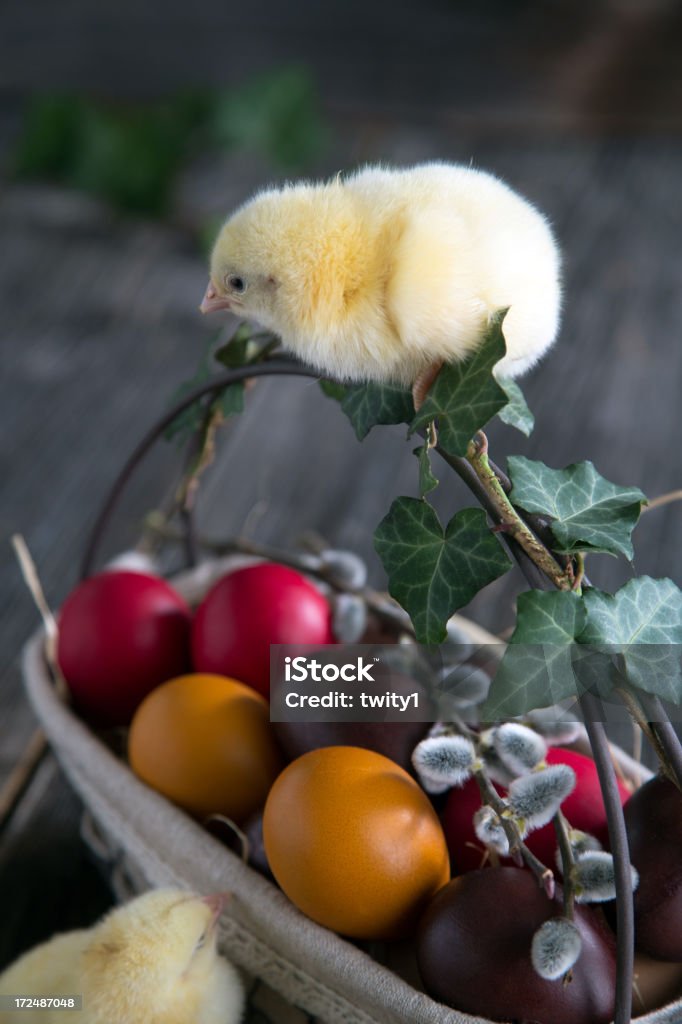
x: 130, y: 154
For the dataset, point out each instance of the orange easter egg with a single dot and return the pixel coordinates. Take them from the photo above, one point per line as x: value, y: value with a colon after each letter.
x: 205, y: 742
x: 354, y: 842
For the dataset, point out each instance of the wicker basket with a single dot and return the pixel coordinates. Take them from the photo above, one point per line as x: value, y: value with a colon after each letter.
x: 148, y: 842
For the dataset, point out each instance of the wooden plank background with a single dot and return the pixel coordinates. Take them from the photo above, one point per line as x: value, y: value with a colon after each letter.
x: 100, y: 322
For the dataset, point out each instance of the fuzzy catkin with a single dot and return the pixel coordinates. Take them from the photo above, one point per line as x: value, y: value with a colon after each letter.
x: 444, y: 759
x: 534, y: 799
x: 555, y: 948
x: 519, y: 748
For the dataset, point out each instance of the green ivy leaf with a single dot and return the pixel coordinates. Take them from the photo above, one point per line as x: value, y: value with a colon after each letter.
x: 589, y: 513
x: 516, y: 413
x: 428, y: 481
x: 432, y: 572
x: 368, y: 405
x: 536, y: 670
x: 642, y: 622
x: 231, y: 400
x: 332, y: 389
x: 466, y: 395
x: 234, y: 352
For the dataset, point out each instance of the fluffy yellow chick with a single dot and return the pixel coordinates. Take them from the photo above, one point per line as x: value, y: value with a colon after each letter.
x: 387, y: 274
x: 151, y: 961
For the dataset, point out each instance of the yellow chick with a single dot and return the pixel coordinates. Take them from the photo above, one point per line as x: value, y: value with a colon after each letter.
x: 387, y: 274
x: 151, y: 961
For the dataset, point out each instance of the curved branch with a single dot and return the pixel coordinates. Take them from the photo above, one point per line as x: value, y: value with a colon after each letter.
x: 273, y: 368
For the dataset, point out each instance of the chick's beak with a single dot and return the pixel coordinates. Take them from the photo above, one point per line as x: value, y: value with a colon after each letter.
x: 212, y: 301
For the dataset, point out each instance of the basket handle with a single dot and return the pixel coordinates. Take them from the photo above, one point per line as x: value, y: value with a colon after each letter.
x: 268, y: 368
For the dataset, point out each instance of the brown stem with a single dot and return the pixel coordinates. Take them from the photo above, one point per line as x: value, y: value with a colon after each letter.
x: 663, y: 499
x: 561, y: 828
x: 490, y: 796
x: 477, y: 456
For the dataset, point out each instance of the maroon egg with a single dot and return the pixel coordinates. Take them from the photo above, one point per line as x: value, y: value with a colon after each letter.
x: 473, y: 950
x: 653, y: 817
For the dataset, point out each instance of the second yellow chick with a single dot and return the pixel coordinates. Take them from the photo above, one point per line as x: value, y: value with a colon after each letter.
x: 151, y: 961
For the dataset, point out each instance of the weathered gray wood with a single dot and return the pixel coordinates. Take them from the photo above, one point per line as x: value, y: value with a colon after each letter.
x: 493, y: 66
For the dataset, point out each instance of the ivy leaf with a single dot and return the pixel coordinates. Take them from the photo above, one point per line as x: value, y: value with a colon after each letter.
x: 368, y: 405
x: 432, y: 572
x: 466, y: 395
x: 231, y: 400
x: 536, y: 670
x: 234, y: 351
x: 427, y: 479
x: 332, y: 389
x: 516, y: 413
x: 589, y: 513
x: 642, y: 623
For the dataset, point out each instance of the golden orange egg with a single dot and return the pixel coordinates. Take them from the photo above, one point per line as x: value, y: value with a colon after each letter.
x: 205, y: 742
x: 354, y: 842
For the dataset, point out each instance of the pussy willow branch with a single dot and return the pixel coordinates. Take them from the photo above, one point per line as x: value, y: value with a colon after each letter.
x: 561, y: 829
x: 517, y: 848
x: 538, y: 578
x: 382, y: 606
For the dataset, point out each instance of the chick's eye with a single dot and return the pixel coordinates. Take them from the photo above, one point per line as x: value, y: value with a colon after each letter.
x: 200, y: 942
x: 237, y: 284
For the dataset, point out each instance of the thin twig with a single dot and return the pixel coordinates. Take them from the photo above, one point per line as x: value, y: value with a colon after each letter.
x: 663, y: 499
x: 517, y: 847
x: 32, y: 581
x: 380, y: 604
x: 274, y: 367
x: 21, y: 775
x: 561, y: 828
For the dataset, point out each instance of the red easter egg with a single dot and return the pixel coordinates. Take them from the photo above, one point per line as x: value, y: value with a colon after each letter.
x: 251, y: 608
x: 120, y: 635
